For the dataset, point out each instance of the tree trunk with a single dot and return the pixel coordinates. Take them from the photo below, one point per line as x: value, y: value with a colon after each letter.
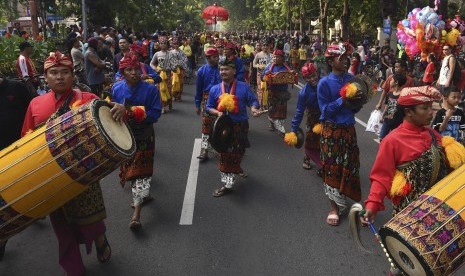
x: 345, y: 21
x: 443, y: 9
x: 35, y: 24
x: 324, y: 20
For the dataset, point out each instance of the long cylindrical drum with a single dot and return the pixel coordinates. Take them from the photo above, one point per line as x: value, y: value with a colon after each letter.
x: 45, y: 169
x: 427, y: 237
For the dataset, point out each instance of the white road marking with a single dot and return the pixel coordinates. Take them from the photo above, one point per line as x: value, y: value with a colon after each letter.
x: 187, y: 212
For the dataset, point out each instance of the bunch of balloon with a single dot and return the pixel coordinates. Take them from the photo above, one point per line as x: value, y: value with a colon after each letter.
x: 421, y: 33
x: 454, y: 34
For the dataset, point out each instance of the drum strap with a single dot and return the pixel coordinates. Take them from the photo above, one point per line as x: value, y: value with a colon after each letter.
x: 63, y: 108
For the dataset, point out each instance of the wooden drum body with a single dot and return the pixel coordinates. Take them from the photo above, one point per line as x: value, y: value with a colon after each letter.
x: 427, y: 237
x: 45, y: 169
x: 284, y: 77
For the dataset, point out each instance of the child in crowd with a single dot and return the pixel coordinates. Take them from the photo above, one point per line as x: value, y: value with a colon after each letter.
x: 390, y: 121
x: 450, y: 120
x: 428, y: 77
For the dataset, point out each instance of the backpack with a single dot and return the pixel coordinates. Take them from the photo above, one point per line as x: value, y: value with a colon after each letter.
x: 457, y: 74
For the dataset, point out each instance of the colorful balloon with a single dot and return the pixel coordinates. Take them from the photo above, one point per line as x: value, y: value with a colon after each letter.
x: 451, y: 37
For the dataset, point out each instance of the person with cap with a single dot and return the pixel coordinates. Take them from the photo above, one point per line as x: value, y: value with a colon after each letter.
x: 143, y: 99
x: 260, y: 61
x: 24, y: 65
x: 231, y: 97
x: 338, y: 142
x: 230, y: 51
x: 177, y: 63
x: 278, y: 96
x: 160, y: 64
x: 146, y: 72
x: 94, y: 66
x: 72, y: 223
x: 207, y: 76
x: 307, y: 102
x: 219, y: 45
x: 412, y: 158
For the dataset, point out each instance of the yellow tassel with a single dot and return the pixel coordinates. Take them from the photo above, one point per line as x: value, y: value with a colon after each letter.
x: 107, y: 99
x: 226, y: 102
x: 149, y: 80
x: 176, y: 82
x: 264, y: 88
x: 290, y: 139
x: 455, y: 152
x: 317, y: 128
x: 76, y: 104
x: 398, y: 183
x: 351, y: 91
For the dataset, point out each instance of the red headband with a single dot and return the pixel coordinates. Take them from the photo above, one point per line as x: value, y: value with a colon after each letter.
x: 136, y: 48
x: 211, y: 52
x: 57, y: 59
x: 417, y: 95
x: 129, y: 61
x: 308, y: 69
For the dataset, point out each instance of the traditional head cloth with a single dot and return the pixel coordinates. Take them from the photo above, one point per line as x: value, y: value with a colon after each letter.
x: 57, y: 59
x: 338, y: 50
x: 417, y: 95
x: 308, y: 69
x: 137, y: 49
x: 129, y: 61
x: 230, y: 45
x: 211, y: 52
x: 93, y: 42
x: 278, y: 52
x: 162, y: 39
x: 228, y: 62
x: 219, y: 43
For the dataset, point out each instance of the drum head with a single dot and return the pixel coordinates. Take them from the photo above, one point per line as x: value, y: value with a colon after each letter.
x: 404, y: 255
x: 222, y: 133
x: 117, y: 134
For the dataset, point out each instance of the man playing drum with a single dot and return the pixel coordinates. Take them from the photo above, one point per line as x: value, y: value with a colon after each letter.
x: 240, y: 96
x: 72, y: 223
x: 413, y: 151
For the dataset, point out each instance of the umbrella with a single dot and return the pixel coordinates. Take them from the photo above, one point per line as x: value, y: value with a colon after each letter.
x: 209, y: 22
x: 215, y: 13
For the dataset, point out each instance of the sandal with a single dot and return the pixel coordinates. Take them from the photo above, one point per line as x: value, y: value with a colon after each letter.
x: 333, y: 218
x: 221, y: 191
x: 135, y: 224
x: 102, y: 249
x: 306, y: 164
x: 144, y: 201
x: 243, y: 174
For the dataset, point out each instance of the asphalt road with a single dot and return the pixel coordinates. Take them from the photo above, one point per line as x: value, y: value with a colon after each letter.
x: 273, y: 224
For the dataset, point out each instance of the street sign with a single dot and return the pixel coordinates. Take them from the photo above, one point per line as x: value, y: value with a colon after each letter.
x: 387, y: 26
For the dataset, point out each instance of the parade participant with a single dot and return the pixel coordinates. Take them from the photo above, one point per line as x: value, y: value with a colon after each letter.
x: 338, y: 142
x: 239, y: 94
x: 14, y: 100
x: 73, y: 224
x: 207, y: 76
x: 230, y: 51
x: 278, y: 96
x: 308, y: 102
x: 123, y: 44
x: 294, y: 57
x: 146, y: 72
x: 177, y: 62
x: 246, y: 53
x: 160, y: 64
x: 412, y: 158
x: 94, y: 67
x: 261, y: 60
x: 400, y: 67
x: 219, y: 45
x: 143, y: 99
x: 253, y: 69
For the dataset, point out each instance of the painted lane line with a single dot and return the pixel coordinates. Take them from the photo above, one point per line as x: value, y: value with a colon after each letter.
x: 187, y: 212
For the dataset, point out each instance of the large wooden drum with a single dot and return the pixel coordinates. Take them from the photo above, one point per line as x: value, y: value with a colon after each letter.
x: 45, y: 169
x: 427, y: 237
